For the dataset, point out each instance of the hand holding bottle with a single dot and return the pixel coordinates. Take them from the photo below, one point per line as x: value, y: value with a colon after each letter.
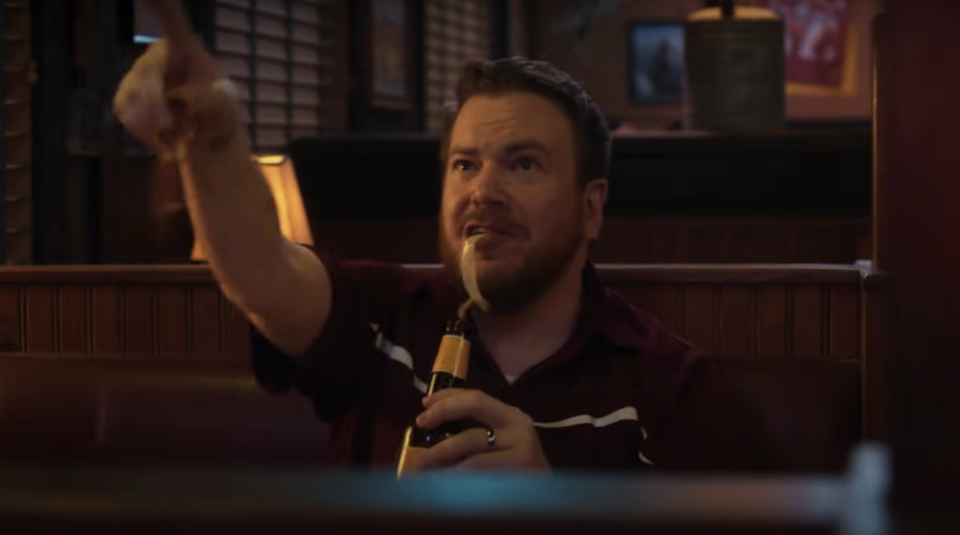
x: 510, y: 440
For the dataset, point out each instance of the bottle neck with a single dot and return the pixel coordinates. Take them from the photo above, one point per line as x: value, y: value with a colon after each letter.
x: 453, y: 356
x: 460, y: 327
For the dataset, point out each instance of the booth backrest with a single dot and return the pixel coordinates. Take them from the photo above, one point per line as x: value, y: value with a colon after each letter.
x: 150, y: 364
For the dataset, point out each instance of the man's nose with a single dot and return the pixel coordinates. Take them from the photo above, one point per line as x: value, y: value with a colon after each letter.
x: 489, y: 187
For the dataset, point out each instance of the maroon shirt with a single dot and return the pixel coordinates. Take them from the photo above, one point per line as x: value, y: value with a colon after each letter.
x: 622, y: 393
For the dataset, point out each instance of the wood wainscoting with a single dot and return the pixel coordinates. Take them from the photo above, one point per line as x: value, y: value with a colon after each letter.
x: 735, y: 310
x: 151, y: 363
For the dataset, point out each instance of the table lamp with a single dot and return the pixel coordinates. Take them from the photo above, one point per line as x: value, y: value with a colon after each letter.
x: 278, y: 171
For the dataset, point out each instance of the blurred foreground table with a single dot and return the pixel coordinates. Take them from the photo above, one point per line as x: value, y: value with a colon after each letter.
x: 65, y: 499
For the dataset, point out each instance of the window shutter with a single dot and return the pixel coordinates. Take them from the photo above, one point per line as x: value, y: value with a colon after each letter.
x: 18, y: 74
x: 279, y: 52
x: 456, y: 31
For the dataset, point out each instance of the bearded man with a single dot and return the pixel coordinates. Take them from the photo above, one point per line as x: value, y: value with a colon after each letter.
x: 565, y: 373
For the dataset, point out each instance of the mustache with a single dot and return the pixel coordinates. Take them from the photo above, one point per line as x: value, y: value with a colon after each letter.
x: 486, y: 219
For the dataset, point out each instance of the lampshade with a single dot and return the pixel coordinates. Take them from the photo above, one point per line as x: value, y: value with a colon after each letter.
x: 278, y: 171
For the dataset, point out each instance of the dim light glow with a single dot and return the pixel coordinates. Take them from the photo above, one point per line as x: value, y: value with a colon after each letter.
x: 278, y: 171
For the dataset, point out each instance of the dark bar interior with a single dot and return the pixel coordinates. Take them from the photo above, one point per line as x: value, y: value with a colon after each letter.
x: 760, y: 339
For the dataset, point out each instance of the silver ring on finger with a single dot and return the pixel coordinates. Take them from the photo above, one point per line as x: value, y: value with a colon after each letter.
x: 491, y: 438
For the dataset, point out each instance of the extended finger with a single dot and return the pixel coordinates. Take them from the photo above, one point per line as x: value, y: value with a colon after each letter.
x: 458, y: 448
x: 465, y: 404
x: 174, y: 26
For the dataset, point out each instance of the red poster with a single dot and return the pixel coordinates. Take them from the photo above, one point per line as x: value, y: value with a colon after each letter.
x: 816, y: 39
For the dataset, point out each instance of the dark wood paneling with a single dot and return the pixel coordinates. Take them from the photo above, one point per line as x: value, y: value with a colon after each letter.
x: 809, y: 174
x: 796, y: 197
x: 755, y: 312
x: 625, y: 239
x: 151, y: 363
x: 53, y: 207
x: 733, y: 240
x: 793, y: 174
x: 674, y: 198
x: 917, y: 144
x: 742, y: 311
x: 127, y: 231
x: 86, y: 315
x: 877, y: 355
x: 18, y: 78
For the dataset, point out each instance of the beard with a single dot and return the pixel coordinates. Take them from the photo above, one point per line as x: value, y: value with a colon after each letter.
x: 513, y: 283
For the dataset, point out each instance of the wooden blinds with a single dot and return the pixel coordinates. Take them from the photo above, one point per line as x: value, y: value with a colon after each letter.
x: 279, y: 52
x: 18, y: 77
x: 456, y: 31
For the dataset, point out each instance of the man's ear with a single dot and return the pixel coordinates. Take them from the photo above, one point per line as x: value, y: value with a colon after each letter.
x: 594, y: 198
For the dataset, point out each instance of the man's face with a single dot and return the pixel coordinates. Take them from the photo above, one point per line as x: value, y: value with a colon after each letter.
x: 511, y: 175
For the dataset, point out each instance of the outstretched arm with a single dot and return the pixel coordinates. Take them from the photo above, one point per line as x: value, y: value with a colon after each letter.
x: 173, y: 98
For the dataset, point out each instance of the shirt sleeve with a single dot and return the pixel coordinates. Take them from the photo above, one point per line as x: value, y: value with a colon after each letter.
x: 705, y: 423
x: 342, y: 365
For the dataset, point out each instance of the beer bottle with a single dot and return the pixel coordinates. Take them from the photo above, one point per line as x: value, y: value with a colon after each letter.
x: 449, y: 371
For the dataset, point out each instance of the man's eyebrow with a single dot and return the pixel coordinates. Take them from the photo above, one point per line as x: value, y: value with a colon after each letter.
x: 525, y: 144
x: 509, y: 148
x: 463, y: 150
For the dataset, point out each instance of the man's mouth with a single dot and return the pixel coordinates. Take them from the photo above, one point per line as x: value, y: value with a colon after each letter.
x: 490, y: 238
x: 477, y: 229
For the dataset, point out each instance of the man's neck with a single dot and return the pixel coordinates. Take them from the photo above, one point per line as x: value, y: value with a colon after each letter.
x: 520, y: 341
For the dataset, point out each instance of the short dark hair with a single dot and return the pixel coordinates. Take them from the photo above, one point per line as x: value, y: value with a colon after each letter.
x: 518, y: 74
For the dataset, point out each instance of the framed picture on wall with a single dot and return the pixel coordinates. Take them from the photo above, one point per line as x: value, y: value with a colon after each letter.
x: 391, y: 72
x: 816, y: 39
x: 828, y: 57
x: 656, y: 62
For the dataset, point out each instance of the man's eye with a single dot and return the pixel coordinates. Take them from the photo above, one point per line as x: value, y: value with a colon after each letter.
x: 463, y: 165
x: 526, y: 164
